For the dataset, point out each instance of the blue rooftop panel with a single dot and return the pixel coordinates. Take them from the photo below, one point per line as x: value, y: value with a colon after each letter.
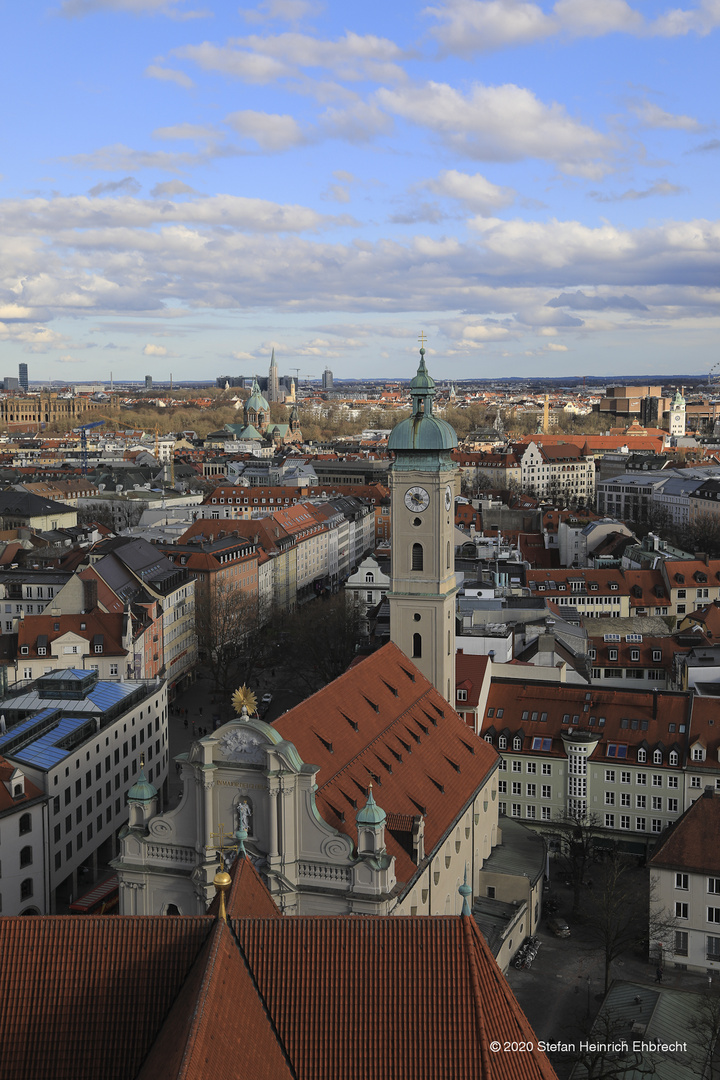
x: 107, y: 694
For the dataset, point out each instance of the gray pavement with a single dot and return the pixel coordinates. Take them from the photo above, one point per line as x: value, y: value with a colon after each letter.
x: 562, y: 992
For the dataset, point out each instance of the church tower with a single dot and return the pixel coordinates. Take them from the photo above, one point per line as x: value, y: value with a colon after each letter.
x: 423, y: 483
x: 273, y: 380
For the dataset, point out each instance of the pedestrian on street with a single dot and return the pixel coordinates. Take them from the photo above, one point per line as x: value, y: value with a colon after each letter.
x: 659, y: 975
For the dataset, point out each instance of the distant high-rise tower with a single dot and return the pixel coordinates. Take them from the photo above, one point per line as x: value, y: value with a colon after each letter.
x: 273, y: 391
x: 23, y: 377
x: 327, y: 379
x: 148, y: 382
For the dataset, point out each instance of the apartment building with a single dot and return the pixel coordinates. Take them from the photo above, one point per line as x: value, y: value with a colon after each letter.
x: 558, y: 470
x: 28, y: 591
x: 632, y: 658
x: 23, y: 815
x: 79, y: 739
x: 593, y: 593
x: 691, y: 583
x: 686, y: 869
x: 96, y: 641
x: 632, y: 761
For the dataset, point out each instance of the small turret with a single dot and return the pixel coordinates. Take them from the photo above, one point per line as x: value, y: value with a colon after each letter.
x: 370, y: 823
x: 142, y: 800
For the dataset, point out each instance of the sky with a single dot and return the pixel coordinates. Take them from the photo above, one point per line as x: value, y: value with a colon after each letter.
x: 185, y: 186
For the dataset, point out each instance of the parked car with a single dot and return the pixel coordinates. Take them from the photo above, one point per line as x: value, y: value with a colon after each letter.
x: 266, y: 699
x: 558, y: 926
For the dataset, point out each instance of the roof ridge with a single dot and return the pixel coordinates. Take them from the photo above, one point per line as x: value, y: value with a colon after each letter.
x: 261, y: 996
x: 470, y: 950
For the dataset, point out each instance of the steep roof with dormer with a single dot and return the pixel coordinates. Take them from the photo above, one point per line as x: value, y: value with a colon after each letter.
x: 384, y: 723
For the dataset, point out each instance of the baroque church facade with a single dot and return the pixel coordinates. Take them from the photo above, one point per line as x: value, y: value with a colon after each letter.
x: 372, y: 796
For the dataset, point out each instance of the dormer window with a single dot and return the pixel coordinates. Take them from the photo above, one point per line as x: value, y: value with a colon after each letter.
x: 462, y: 695
x: 673, y: 759
x: 502, y: 743
x: 634, y: 654
x: 517, y: 743
x: 642, y: 757
x: 657, y: 656
x: 698, y: 753
x: 42, y: 650
x: 98, y: 648
x: 612, y: 654
x: 24, y: 650
x: 657, y: 757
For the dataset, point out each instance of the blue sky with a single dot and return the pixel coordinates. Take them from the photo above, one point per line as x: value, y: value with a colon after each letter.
x: 184, y: 186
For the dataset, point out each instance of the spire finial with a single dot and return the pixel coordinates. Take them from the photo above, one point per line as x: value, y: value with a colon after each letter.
x: 465, y: 891
x: 222, y: 882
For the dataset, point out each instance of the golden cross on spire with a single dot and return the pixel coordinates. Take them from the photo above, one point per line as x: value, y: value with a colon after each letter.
x: 422, y: 339
x: 222, y: 836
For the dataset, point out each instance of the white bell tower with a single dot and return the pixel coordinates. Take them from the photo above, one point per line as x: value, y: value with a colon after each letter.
x: 423, y: 484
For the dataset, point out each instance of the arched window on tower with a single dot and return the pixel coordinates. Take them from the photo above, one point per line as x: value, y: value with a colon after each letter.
x: 417, y: 646
x: 417, y: 557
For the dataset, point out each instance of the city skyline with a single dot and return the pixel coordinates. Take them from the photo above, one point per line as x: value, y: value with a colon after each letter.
x: 187, y: 187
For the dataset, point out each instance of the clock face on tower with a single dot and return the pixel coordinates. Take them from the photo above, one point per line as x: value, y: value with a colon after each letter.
x: 448, y: 497
x: 417, y: 499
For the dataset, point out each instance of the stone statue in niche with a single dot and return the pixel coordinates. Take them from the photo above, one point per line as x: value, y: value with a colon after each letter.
x: 245, y: 815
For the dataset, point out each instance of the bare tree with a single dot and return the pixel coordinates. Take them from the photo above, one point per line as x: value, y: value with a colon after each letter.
x: 577, y: 838
x: 232, y: 642
x: 321, y: 639
x: 621, y: 912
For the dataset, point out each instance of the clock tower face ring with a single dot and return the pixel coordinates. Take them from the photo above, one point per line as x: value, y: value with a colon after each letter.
x: 417, y: 499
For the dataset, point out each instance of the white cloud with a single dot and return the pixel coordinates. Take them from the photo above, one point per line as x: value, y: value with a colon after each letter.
x: 171, y: 187
x: 154, y: 71
x: 481, y: 332
x: 68, y: 360
x: 270, y: 131
x: 154, y: 350
x: 257, y: 59
x: 652, y: 116
x: 659, y: 188
x: 289, y: 10
x: 242, y: 64
x: 553, y: 346
x: 78, y: 8
x: 588, y: 18
x: 471, y: 26
x: 475, y: 192
x: 129, y: 186
x: 501, y: 123
x: 194, y: 132
x: 680, y: 21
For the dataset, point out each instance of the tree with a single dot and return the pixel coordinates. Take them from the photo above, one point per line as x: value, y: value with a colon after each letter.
x: 321, y: 639
x: 621, y: 911
x: 232, y: 642
x: 577, y: 836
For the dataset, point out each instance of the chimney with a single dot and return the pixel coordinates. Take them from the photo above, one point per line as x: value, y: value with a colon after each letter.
x: 90, y: 594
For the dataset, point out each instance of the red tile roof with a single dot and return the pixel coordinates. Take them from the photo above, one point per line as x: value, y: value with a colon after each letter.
x: 692, y: 841
x: 83, y: 997
x: 218, y: 1025
x: 173, y: 998
x: 383, y: 723
x: 332, y: 987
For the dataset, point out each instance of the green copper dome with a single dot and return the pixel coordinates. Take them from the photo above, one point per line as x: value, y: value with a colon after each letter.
x: 371, y: 814
x: 142, y: 790
x: 256, y: 402
x: 422, y: 431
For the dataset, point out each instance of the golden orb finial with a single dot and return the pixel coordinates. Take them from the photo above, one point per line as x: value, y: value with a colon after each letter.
x: 222, y: 882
